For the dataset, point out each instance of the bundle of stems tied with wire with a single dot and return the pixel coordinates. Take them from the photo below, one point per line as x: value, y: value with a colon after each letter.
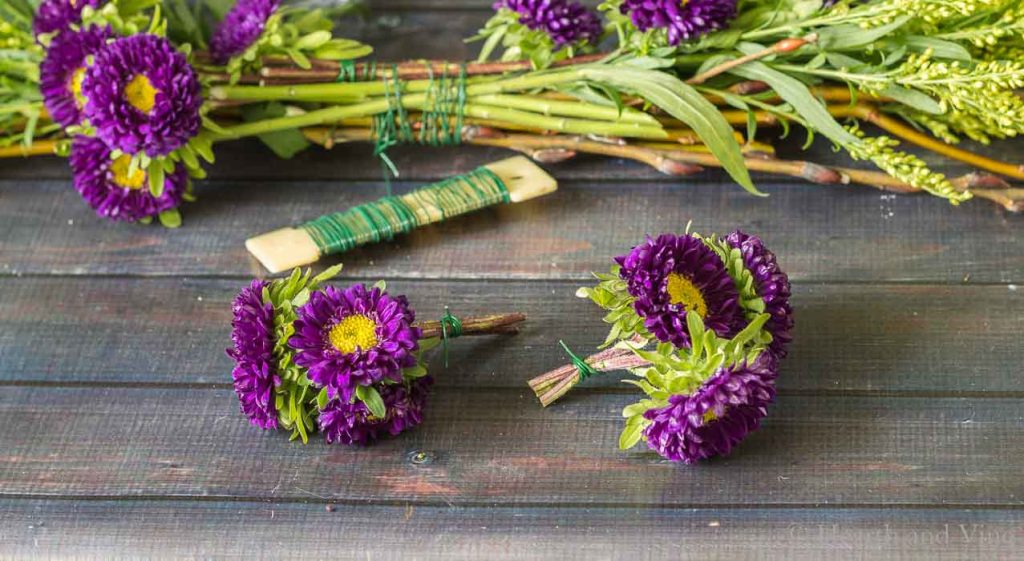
x: 679, y: 86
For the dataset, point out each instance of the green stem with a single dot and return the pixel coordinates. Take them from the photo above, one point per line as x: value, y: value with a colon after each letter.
x: 566, y: 108
x: 312, y: 118
x: 342, y: 92
x: 409, y: 101
x: 564, y: 124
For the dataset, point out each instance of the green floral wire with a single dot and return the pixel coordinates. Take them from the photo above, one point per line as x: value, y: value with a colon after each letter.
x: 451, y: 327
x: 446, y: 99
x: 389, y: 216
x: 581, y: 365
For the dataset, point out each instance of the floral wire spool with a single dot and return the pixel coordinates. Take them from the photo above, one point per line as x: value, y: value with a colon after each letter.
x: 512, y: 180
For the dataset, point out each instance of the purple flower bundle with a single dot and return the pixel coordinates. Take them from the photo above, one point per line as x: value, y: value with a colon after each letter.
x: 344, y: 362
x: 716, y: 312
x: 128, y: 103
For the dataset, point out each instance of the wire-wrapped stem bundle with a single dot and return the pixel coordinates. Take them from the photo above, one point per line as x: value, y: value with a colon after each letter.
x: 551, y: 386
x: 347, y: 362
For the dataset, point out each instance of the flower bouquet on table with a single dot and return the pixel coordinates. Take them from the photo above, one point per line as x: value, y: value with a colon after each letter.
x: 345, y: 362
x: 702, y: 323
x: 679, y: 86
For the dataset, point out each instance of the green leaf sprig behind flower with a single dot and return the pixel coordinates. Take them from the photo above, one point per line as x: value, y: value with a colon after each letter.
x: 295, y: 399
x: 299, y: 34
x: 611, y: 295
x: 677, y: 371
x: 752, y: 304
x: 127, y: 17
x: 519, y: 42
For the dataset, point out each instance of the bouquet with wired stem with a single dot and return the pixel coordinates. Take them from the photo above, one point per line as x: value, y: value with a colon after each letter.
x: 149, y: 88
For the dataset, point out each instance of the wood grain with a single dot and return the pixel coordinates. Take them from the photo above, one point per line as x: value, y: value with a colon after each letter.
x: 497, y: 447
x: 842, y: 234
x: 897, y: 434
x: 886, y: 338
x: 255, y: 531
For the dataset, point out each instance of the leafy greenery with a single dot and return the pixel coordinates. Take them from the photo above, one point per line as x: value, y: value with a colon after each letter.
x: 677, y: 371
x: 295, y: 399
x: 611, y: 295
x: 519, y: 42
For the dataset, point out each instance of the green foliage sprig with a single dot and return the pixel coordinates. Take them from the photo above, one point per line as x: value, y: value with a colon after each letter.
x: 679, y: 371
x: 611, y: 295
x: 294, y: 398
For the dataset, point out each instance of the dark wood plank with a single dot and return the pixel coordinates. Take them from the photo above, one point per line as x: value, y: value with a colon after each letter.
x: 490, y: 447
x: 849, y: 337
x: 843, y: 234
x: 200, y: 529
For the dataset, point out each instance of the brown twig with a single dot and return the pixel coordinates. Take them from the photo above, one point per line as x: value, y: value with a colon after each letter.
x: 677, y: 160
x: 282, y: 68
x: 783, y: 46
x: 485, y: 325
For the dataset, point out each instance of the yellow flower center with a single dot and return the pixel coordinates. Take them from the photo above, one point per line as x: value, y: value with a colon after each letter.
x: 352, y: 333
x: 683, y: 292
x: 120, y: 169
x: 140, y: 93
x: 75, y: 86
x: 709, y: 416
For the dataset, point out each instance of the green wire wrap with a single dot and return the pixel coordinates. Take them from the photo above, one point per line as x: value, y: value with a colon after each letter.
x: 390, y: 216
x: 581, y: 365
x: 443, y: 113
x: 451, y: 327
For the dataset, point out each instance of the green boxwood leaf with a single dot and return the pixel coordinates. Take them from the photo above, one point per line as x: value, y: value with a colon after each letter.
x: 170, y: 218
x: 631, y: 433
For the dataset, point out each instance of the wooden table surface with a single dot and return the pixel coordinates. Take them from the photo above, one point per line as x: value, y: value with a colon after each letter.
x: 898, y: 432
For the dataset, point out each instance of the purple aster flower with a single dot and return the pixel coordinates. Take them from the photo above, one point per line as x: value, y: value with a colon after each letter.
x: 113, y: 190
x: 566, y: 22
x: 716, y: 417
x: 772, y: 286
x: 683, y: 20
x: 672, y: 275
x: 355, y: 337
x: 142, y: 96
x: 351, y: 422
x: 60, y: 15
x: 62, y: 71
x: 252, y: 332
x: 240, y: 28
